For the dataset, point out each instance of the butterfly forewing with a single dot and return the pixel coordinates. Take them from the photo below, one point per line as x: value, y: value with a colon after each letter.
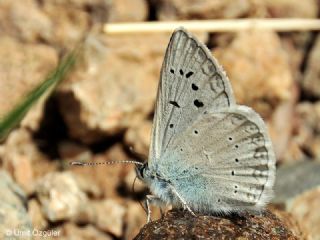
x: 191, y: 83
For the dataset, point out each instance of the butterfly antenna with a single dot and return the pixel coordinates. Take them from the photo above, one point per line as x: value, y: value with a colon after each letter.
x: 93, y: 164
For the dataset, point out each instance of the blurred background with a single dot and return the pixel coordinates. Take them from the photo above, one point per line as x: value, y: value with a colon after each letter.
x: 105, y: 106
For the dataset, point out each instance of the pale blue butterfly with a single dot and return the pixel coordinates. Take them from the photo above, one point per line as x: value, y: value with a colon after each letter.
x: 207, y: 153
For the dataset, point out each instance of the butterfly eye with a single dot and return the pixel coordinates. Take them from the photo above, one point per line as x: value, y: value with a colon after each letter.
x: 141, y: 170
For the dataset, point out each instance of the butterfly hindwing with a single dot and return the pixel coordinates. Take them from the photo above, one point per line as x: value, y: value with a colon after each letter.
x: 228, y: 157
x: 191, y: 82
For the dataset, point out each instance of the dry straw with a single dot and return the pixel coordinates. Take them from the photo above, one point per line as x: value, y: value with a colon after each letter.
x: 231, y: 25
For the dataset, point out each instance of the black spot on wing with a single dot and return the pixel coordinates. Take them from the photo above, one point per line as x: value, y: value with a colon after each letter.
x: 174, y: 103
x: 198, y: 103
x: 189, y: 74
x: 194, y: 87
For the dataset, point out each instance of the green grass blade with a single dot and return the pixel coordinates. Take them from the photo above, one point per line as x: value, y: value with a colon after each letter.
x: 13, y: 118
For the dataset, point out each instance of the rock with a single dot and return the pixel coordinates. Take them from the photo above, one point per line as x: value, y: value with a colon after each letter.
x: 259, y: 71
x: 288, y: 183
x: 108, y: 215
x: 128, y: 11
x: 255, y: 60
x: 21, y: 157
x: 68, y: 24
x: 296, y: 44
x: 304, y: 209
x: 311, y: 80
x: 297, y: 191
x: 14, y: 220
x: 109, y: 178
x: 289, y: 9
x: 39, y: 221
x: 60, y: 197
x: 24, y: 21
x: 291, y: 222
x: 89, y: 186
x: 90, y: 99
x: 138, y: 137
x: 135, y: 219
x: 70, y: 231
x: 208, y: 9
x: 307, y: 130
x: 25, y: 66
x: 182, y: 225
x: 71, y: 151
x: 281, y: 127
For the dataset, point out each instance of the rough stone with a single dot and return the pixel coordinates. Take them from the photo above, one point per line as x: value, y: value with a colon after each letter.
x: 280, y: 126
x: 182, y: 225
x: 307, y: 130
x: 68, y: 23
x: 290, y: 9
x: 108, y: 215
x: 108, y: 178
x: 128, y: 11
x: 208, y: 9
x: 292, y: 223
x: 22, y: 67
x: 13, y: 213
x: 60, y: 197
x: 138, y: 137
x: 311, y: 81
x: 24, y: 21
x: 70, y: 231
x: 294, y: 43
x: 21, y: 157
x: 39, y: 221
x: 256, y: 60
x: 135, y: 219
x: 288, y: 183
x: 90, y: 98
x: 305, y: 209
x: 89, y: 186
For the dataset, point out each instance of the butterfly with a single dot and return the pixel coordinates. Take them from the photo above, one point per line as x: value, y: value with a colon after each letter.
x: 207, y: 154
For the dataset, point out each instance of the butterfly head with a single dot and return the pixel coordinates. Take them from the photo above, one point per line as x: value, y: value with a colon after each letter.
x: 141, y: 171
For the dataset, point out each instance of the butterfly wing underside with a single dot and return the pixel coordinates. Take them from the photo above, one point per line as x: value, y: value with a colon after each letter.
x: 229, y: 159
x: 191, y: 82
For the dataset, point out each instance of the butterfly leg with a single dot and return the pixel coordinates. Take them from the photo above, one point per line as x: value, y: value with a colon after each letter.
x: 185, y: 205
x: 151, y: 199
